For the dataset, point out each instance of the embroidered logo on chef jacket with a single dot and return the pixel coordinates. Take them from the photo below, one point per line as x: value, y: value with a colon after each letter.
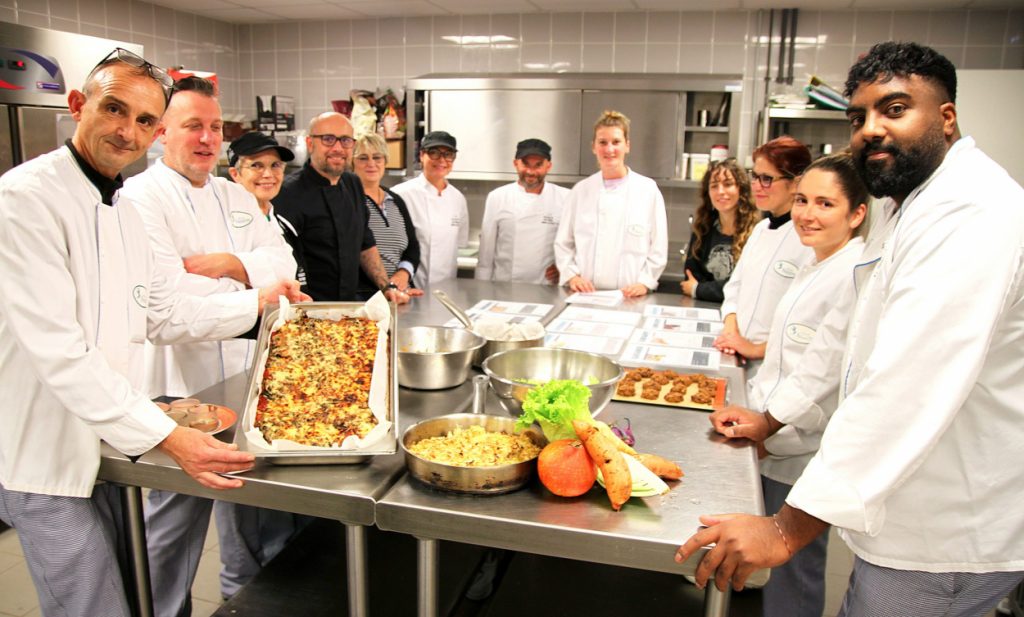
x: 800, y: 333
x: 240, y: 219
x: 547, y: 219
x: 456, y: 221
x: 785, y: 269
x: 636, y: 230
x: 141, y: 295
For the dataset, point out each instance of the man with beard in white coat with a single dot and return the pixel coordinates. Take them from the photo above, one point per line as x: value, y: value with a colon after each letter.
x: 520, y: 222
x: 79, y: 295
x: 209, y: 236
x: 912, y: 467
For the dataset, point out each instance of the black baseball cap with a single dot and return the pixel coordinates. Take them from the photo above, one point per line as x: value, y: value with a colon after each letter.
x: 254, y: 143
x: 533, y: 146
x: 434, y: 139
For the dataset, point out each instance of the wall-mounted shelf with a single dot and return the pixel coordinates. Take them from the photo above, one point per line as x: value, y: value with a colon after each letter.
x: 780, y: 113
x: 706, y: 129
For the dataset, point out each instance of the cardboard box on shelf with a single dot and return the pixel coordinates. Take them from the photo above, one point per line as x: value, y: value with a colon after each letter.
x: 396, y: 153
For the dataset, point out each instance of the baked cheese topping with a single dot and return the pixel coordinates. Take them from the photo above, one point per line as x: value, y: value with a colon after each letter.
x: 316, y: 385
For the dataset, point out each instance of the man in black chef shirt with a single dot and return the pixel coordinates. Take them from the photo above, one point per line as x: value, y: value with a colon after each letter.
x: 323, y: 204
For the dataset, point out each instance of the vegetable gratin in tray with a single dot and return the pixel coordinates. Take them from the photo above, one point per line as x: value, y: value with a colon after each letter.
x: 324, y: 385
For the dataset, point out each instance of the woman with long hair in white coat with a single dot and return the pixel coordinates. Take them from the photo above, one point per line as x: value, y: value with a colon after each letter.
x: 613, y: 233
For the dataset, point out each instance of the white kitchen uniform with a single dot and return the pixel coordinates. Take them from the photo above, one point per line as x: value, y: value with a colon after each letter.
x: 614, y: 236
x: 79, y: 294
x: 182, y: 221
x: 518, y: 233
x: 769, y: 262
x: 815, y: 290
x: 916, y: 465
x: 442, y: 226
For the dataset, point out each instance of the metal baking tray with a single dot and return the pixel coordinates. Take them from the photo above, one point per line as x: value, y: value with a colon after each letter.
x: 325, y: 456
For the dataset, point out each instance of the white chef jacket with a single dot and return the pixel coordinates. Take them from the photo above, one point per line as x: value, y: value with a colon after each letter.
x: 812, y: 294
x: 181, y: 220
x: 518, y: 233
x: 769, y: 262
x: 919, y: 463
x: 613, y: 237
x: 442, y: 226
x: 78, y: 296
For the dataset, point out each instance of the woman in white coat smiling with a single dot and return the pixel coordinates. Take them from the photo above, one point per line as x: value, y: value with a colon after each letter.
x: 613, y: 233
x: 828, y: 213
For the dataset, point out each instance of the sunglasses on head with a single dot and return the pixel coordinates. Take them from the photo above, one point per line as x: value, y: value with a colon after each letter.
x: 132, y: 59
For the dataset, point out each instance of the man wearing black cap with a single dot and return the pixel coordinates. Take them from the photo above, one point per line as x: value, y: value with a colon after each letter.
x: 438, y: 210
x: 520, y: 221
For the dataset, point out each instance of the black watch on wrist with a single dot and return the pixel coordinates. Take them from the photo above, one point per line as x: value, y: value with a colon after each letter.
x: 391, y: 286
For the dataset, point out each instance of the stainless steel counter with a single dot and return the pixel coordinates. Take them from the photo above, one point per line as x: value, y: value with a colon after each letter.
x: 719, y: 478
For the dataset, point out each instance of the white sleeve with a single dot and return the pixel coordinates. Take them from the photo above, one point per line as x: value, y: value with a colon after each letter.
x: 464, y: 226
x: 488, y: 239
x: 657, y: 255
x: 730, y: 291
x: 271, y: 258
x: 923, y: 364
x: 565, y: 241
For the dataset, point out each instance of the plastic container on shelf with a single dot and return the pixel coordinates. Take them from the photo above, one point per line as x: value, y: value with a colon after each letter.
x: 699, y: 165
x: 719, y: 152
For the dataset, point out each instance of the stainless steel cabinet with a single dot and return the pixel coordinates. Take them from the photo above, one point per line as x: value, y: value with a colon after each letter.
x: 655, y: 124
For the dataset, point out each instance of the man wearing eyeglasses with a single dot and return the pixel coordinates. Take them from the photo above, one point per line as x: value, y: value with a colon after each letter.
x: 209, y: 236
x: 323, y: 204
x: 79, y: 294
x: 438, y: 210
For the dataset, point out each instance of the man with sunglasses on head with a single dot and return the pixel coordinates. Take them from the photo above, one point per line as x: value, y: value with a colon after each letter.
x: 323, y: 204
x: 80, y: 293
x: 438, y: 210
x: 209, y: 236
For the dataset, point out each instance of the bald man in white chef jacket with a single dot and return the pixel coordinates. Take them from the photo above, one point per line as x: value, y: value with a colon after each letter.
x: 79, y: 294
x: 209, y: 236
x: 520, y: 222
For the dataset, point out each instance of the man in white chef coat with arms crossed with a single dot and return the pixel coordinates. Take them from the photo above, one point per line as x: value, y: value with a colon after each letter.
x: 209, y: 236
x: 520, y: 222
x: 913, y: 466
x: 79, y: 294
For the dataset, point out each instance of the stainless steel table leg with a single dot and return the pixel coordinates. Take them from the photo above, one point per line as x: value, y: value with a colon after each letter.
x: 716, y: 603
x: 426, y: 573
x: 135, y: 543
x: 355, y: 559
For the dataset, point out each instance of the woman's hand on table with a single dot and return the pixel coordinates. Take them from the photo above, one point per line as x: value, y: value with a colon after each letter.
x: 397, y: 296
x: 203, y: 457
x: 581, y: 285
x: 689, y: 286
x: 402, y: 279
x: 635, y: 290
x: 733, y: 343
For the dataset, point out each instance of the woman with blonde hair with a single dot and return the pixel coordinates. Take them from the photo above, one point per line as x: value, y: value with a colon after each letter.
x: 613, y: 233
x: 722, y: 225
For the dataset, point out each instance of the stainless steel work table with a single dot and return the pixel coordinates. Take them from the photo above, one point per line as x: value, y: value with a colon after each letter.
x: 346, y: 493
x: 720, y: 477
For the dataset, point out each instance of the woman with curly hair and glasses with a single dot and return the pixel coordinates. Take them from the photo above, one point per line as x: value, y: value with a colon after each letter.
x: 722, y: 225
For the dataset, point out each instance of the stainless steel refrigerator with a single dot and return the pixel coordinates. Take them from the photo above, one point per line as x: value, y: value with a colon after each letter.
x: 38, y: 68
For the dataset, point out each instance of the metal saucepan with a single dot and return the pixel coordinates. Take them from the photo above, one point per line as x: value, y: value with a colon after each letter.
x: 492, y: 346
x: 433, y: 358
x: 475, y: 480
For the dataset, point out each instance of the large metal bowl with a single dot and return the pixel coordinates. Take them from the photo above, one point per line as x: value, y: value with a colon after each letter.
x: 477, y: 480
x: 434, y: 358
x: 507, y: 371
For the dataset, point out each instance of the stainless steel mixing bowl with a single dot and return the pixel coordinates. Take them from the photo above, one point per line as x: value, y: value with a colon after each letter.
x: 507, y: 371
x: 433, y: 358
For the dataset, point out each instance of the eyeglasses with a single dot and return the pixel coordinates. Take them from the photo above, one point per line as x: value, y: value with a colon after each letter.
x: 437, y: 153
x: 766, y: 181
x: 363, y: 159
x: 259, y: 167
x: 132, y: 59
x: 329, y: 140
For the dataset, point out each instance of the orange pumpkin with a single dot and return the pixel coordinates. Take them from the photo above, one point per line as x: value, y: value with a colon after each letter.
x: 565, y: 468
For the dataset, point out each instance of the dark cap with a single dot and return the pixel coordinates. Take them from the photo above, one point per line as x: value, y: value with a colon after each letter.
x: 533, y: 146
x: 254, y: 143
x: 434, y: 139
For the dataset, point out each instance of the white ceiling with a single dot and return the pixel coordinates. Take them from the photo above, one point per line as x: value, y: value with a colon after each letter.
x: 261, y: 11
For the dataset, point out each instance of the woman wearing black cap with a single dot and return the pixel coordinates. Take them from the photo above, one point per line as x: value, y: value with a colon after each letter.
x: 257, y: 163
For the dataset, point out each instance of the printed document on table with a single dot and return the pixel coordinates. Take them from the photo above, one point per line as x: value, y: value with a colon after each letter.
x: 581, y: 313
x: 669, y: 357
x: 508, y: 312
x: 668, y: 338
x: 613, y: 297
x: 683, y: 312
x: 591, y: 328
x: 579, y: 342
x: 682, y: 325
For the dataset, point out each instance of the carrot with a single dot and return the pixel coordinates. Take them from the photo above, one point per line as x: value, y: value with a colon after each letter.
x: 662, y: 467
x: 617, y: 480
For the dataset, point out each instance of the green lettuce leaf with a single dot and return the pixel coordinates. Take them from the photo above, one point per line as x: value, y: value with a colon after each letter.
x: 554, y: 405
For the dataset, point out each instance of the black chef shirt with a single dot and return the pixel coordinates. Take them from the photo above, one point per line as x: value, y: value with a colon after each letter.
x: 331, y: 230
